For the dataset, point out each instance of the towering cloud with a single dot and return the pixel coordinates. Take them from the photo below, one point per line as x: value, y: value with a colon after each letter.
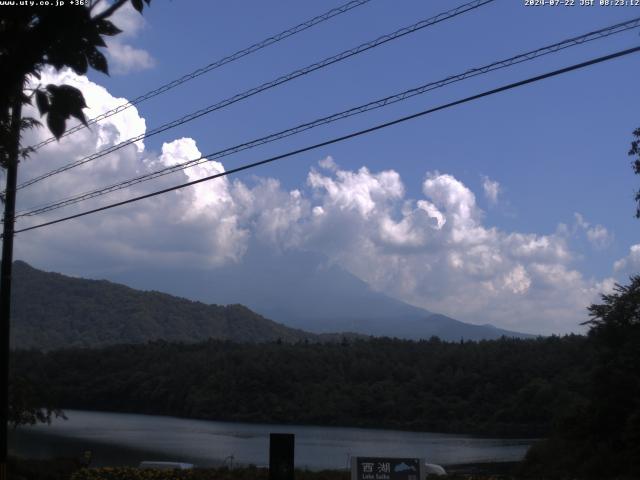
x: 434, y: 251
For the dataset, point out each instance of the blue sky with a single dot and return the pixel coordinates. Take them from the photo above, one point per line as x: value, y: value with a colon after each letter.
x: 556, y: 148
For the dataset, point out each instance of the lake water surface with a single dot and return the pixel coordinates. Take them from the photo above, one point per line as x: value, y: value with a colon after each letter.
x: 127, y: 439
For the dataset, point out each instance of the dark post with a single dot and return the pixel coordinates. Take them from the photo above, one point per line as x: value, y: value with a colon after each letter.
x: 5, y: 279
x: 281, y: 449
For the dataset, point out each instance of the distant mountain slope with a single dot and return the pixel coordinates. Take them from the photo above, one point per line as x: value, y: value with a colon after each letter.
x: 303, y: 290
x: 51, y: 311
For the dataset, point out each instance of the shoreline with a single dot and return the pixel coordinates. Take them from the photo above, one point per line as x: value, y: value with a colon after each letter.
x: 484, y: 436
x: 458, y: 468
x: 482, y: 468
x: 120, y: 439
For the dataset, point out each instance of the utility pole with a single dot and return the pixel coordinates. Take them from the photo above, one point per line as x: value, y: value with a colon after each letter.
x: 5, y: 274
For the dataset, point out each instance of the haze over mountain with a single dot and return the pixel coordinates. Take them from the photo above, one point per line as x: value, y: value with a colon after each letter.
x: 303, y: 290
x: 297, y: 289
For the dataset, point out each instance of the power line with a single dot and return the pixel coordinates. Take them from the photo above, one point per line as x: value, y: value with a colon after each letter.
x: 265, y: 86
x: 212, y: 66
x: 523, y: 57
x: 268, y: 85
x: 345, y: 137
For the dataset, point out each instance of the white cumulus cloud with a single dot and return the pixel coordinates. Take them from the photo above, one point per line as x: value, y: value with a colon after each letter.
x: 195, y: 226
x: 597, y: 235
x: 123, y: 57
x: 629, y: 265
x: 491, y: 189
x: 433, y: 251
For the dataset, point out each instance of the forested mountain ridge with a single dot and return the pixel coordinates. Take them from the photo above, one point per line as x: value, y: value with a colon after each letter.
x: 51, y: 311
x: 304, y: 290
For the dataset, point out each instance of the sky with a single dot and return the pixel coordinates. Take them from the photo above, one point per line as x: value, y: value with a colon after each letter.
x: 516, y: 209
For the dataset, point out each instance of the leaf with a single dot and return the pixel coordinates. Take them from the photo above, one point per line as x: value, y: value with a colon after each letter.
x: 56, y: 124
x: 42, y: 101
x: 78, y: 63
x: 79, y: 114
x: 29, y: 122
x: 98, y: 41
x: 98, y: 61
x: 92, y: 38
x: 26, y: 152
x: 52, y: 88
x: 54, y: 58
x: 66, y: 101
x: 138, y: 5
x: 106, y: 27
x: 68, y: 96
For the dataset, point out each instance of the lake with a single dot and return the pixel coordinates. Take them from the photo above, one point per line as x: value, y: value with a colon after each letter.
x: 127, y: 439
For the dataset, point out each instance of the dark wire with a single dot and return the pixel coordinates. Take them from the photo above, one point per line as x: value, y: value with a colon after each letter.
x: 531, y: 55
x: 212, y: 66
x: 268, y: 85
x: 345, y: 137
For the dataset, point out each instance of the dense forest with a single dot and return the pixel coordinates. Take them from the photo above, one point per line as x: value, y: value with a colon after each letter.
x: 601, y: 438
x: 507, y: 387
x: 582, y: 394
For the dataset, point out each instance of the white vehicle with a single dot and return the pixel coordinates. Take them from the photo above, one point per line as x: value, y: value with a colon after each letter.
x: 433, y: 469
x: 166, y: 465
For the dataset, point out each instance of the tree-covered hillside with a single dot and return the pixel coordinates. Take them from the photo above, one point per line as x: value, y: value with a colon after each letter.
x: 601, y: 439
x: 51, y: 311
x: 505, y: 387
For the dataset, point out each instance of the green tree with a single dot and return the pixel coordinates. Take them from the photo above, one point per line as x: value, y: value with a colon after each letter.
x: 30, y: 38
x: 30, y: 403
x: 602, y: 440
x: 634, y: 151
x: 615, y: 408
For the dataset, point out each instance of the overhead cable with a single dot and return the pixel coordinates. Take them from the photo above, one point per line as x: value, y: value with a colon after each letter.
x: 268, y: 85
x: 342, y: 138
x: 517, y: 59
x: 212, y: 66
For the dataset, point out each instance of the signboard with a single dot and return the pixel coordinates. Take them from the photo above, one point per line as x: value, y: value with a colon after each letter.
x: 385, y: 468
